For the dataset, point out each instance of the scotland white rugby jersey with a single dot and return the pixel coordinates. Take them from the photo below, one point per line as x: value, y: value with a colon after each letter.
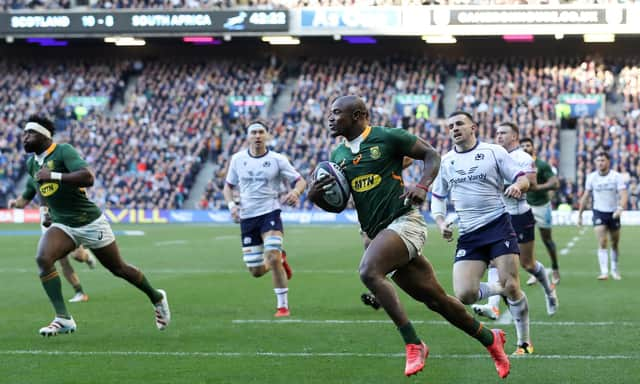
x: 259, y: 180
x: 528, y: 165
x: 474, y: 182
x: 605, y: 190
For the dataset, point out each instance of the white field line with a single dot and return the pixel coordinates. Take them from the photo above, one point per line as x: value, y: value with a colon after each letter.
x: 432, y: 322
x: 169, y: 242
x: 195, y: 354
x: 572, y: 243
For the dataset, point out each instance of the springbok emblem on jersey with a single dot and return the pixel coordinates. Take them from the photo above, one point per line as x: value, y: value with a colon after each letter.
x: 375, y: 152
x: 469, y: 172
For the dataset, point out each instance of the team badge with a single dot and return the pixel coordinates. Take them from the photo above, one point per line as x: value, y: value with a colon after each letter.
x: 479, y: 156
x: 375, y: 152
x: 50, y: 164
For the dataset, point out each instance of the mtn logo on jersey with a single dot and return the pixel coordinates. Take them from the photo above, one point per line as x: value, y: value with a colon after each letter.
x: 48, y: 189
x: 365, y: 182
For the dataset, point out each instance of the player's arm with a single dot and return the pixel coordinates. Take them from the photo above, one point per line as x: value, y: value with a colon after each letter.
x: 19, y: 203
x: 550, y: 185
x: 81, y: 178
x: 293, y: 197
x: 227, y: 192
x: 79, y: 174
x: 520, y: 186
x: 26, y: 197
x: 421, y: 150
x: 624, y: 196
x: 584, y: 200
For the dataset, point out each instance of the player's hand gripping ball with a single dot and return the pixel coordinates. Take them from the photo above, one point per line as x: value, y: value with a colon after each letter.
x: 336, y: 194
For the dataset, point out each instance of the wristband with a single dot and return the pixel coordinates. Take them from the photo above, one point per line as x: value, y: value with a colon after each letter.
x: 424, y: 187
x: 619, y: 208
x: 56, y: 176
x: 231, y: 204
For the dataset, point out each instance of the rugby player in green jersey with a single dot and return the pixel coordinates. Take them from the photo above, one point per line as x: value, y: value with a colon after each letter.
x: 371, y: 158
x: 538, y: 199
x: 61, y: 176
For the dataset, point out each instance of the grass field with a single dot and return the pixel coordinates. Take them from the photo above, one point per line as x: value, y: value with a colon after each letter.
x: 223, y: 330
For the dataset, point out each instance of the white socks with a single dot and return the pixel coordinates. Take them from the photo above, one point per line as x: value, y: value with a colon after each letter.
x: 493, y: 279
x: 281, y: 295
x: 603, y: 259
x: 520, y: 313
x: 541, y: 274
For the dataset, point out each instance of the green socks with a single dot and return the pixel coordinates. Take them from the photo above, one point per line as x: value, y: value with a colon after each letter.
x: 409, y: 334
x: 482, y: 333
x: 53, y: 287
x: 146, y: 287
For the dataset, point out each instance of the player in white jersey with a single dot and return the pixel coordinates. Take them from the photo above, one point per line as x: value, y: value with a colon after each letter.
x: 259, y: 174
x: 523, y: 223
x: 472, y: 177
x: 609, y: 198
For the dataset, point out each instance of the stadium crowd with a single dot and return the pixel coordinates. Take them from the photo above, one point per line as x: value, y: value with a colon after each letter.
x: 177, y: 115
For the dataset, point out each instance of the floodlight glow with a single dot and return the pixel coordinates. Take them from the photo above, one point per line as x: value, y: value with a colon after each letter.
x: 439, y: 39
x: 281, y: 40
x: 599, y: 37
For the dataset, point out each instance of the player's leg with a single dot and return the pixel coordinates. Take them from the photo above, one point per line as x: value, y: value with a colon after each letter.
x: 550, y: 245
x: 368, y: 298
x: 74, y: 280
x: 419, y: 280
x: 54, y: 245
x: 252, y: 247
x: 615, y: 239
x: 273, y: 259
x: 83, y: 255
x: 272, y: 234
x: 603, y: 257
x: 508, y: 265
x: 490, y: 310
x: 386, y: 253
x: 534, y: 267
x: 109, y: 256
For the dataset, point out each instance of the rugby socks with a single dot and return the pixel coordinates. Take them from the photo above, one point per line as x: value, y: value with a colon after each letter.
x: 409, y: 334
x: 144, y: 285
x: 603, y: 258
x: 78, y: 288
x: 520, y: 312
x: 53, y: 287
x: 614, y: 261
x: 281, y: 296
x: 541, y: 274
x: 482, y: 333
x: 493, y: 279
x: 492, y: 287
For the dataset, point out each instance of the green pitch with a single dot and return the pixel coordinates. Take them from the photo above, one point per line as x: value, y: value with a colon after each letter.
x: 223, y: 330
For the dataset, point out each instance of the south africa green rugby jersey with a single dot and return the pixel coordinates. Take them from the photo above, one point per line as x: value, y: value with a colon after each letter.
x: 374, y: 172
x: 544, y: 173
x: 67, y: 204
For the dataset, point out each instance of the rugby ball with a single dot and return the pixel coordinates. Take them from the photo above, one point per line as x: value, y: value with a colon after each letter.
x: 337, y: 193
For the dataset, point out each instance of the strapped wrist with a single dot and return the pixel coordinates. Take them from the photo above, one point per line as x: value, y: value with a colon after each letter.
x: 422, y: 186
x: 56, y: 176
